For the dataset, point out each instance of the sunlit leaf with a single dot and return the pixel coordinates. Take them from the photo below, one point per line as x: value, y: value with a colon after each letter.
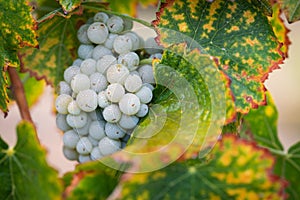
x: 288, y: 167
x: 17, y: 29
x: 25, y: 173
x: 90, y: 181
x: 69, y: 5
x: 291, y: 9
x: 280, y: 30
x: 236, y: 33
x: 261, y: 125
x: 237, y: 169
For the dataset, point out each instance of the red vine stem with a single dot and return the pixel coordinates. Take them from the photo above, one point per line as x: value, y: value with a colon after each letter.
x: 19, y: 94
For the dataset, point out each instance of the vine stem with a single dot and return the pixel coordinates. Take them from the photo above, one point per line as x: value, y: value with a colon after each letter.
x: 19, y: 94
x: 145, y: 23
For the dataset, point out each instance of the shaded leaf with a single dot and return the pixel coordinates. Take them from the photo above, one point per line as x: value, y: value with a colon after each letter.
x: 261, y: 125
x: 17, y: 29
x: 25, y: 173
x: 91, y: 180
x: 288, y: 167
x: 69, y: 5
x: 280, y: 30
x: 58, y: 47
x: 236, y: 33
x: 291, y: 9
x: 237, y: 169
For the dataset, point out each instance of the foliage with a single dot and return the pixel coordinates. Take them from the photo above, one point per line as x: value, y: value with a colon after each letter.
x: 216, y: 58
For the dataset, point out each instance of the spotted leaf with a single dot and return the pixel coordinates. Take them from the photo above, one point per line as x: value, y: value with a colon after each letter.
x: 17, y: 29
x: 291, y: 9
x: 25, y: 173
x: 69, y: 5
x: 237, y: 169
x: 236, y: 33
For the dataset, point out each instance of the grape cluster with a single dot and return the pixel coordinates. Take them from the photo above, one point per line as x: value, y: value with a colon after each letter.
x: 105, y: 91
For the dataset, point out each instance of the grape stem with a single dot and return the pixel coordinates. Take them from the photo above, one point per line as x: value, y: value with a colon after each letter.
x: 145, y: 23
x: 17, y: 89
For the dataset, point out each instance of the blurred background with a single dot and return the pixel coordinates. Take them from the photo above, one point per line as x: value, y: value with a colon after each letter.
x: 283, y: 85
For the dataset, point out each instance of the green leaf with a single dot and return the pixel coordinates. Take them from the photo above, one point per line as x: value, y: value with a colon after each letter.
x: 280, y: 30
x: 58, y: 47
x: 17, y: 29
x: 237, y: 169
x: 236, y: 33
x: 291, y: 9
x: 261, y: 125
x: 25, y: 173
x: 128, y: 7
x: 288, y: 167
x: 69, y: 5
x: 91, y: 180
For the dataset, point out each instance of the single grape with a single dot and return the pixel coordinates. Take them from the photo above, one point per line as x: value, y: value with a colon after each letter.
x: 102, y: 100
x: 129, y: 104
x: 113, y: 131
x: 97, y: 32
x: 64, y: 88
x: 96, y: 154
x: 85, y: 51
x: 77, y: 62
x: 117, y: 73
x: 88, y: 66
x: 83, y: 158
x: 109, y: 146
x: 137, y: 42
x: 82, y: 34
x: 100, y: 51
x: 146, y: 73
x: 87, y: 100
x: 143, y: 110
x: 73, y: 108
x: 128, y: 121
x: 145, y: 94
x: 110, y: 40
x: 131, y: 60
x: 112, y: 113
x: 77, y: 121
x: 70, y: 154
x: 80, y: 82
x: 85, y: 129
x: 151, y: 46
x: 101, y: 17
x: 70, y: 139
x: 133, y: 83
x: 98, y: 82
x: 115, y: 24
x: 84, y: 146
x: 115, y: 92
x: 96, y: 130
x: 61, y: 122
x: 104, y: 63
x: 70, y: 72
x: 122, y: 44
x: 62, y: 102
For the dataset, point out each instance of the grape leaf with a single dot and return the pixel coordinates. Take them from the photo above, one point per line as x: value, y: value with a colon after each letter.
x: 236, y: 33
x: 128, y: 7
x: 25, y: 173
x: 58, y: 47
x: 69, y: 5
x: 237, y: 169
x: 288, y: 167
x: 17, y: 29
x: 291, y: 9
x: 91, y: 180
x: 261, y: 125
